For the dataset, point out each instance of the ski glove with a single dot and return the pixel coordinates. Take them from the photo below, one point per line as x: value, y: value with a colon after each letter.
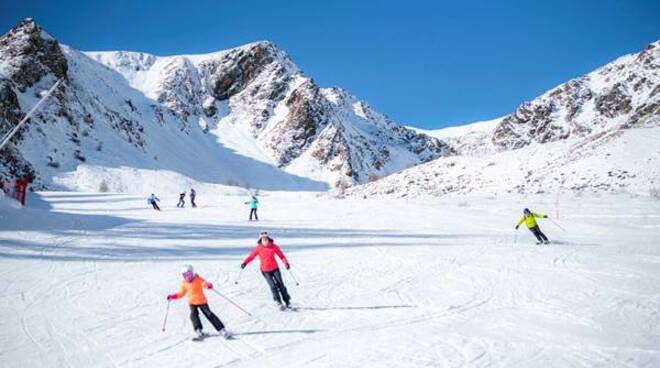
x: 517, y: 227
x: 242, y: 266
x: 288, y: 266
x: 546, y: 216
x: 172, y: 297
x: 209, y: 285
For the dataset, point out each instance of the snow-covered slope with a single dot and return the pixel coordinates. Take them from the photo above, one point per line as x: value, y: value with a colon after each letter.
x: 467, y: 139
x: 246, y: 115
x: 382, y: 283
x: 599, y: 132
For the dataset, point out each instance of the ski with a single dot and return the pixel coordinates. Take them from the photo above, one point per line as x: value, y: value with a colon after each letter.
x: 227, y: 336
x: 288, y: 308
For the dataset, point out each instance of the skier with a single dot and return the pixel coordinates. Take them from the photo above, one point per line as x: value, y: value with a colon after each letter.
x: 192, y: 197
x: 152, y: 200
x: 193, y: 285
x: 529, y: 219
x: 182, y: 202
x: 254, y: 204
x: 266, y: 249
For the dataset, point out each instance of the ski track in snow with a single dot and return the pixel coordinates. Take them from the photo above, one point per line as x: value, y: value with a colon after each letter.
x: 400, y: 283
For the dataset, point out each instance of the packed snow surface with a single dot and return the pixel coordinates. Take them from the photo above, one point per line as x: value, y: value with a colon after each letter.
x: 383, y: 282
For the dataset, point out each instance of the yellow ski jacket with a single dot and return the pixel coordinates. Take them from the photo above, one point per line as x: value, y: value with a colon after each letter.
x: 529, y: 219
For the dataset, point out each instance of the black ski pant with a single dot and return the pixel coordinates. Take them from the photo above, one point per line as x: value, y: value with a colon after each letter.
x: 192, y: 201
x: 538, y: 233
x: 194, y: 317
x: 274, y: 280
x: 254, y: 212
x: 155, y: 206
x: 181, y: 203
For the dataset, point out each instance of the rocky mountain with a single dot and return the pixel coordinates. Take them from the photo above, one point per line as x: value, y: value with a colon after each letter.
x: 599, y: 132
x: 244, y: 116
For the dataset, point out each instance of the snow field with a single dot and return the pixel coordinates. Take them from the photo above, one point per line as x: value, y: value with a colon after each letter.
x: 384, y: 283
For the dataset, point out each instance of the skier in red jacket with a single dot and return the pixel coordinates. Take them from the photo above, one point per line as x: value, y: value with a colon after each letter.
x: 266, y: 249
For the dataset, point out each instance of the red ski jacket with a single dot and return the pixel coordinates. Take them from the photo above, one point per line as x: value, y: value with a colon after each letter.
x: 267, y: 256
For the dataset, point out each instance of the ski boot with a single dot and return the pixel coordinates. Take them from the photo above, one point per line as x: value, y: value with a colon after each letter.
x: 226, y: 334
x: 199, y: 335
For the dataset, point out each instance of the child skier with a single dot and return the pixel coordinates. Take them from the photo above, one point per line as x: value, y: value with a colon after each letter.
x: 193, y: 194
x: 529, y: 218
x: 193, y: 285
x: 266, y: 249
x: 152, y: 200
x: 182, y: 201
x: 254, y: 204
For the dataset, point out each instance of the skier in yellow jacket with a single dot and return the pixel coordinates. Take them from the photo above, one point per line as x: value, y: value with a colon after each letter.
x: 529, y: 218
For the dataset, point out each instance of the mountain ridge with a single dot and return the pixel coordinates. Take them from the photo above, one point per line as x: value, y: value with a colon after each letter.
x: 577, y: 136
x: 138, y: 101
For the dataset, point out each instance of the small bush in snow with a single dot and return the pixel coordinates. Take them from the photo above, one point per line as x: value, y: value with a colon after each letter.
x: 103, y: 188
x: 654, y: 192
x: 371, y: 177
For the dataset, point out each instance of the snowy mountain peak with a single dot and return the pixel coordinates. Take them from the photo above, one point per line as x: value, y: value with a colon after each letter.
x: 198, y: 115
x: 598, y: 132
x: 622, y: 93
x: 29, y: 53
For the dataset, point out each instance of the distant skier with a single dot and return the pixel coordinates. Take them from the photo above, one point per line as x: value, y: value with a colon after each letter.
x: 153, y: 201
x: 194, y: 285
x: 182, y: 200
x: 193, y: 194
x: 529, y: 218
x: 254, y: 204
x: 266, y: 249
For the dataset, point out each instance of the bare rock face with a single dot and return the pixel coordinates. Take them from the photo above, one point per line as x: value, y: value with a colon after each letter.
x: 614, y: 102
x: 10, y: 110
x: 10, y: 114
x: 307, y: 116
x: 31, y: 54
x: 181, y: 92
x: 238, y: 68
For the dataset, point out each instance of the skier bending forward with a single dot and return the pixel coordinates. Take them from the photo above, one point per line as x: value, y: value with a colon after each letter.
x: 193, y: 285
x: 153, y: 201
x: 266, y: 249
x: 529, y: 218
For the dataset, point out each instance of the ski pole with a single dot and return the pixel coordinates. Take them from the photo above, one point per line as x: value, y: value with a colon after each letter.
x: 232, y: 302
x: 556, y: 224
x: 515, y: 238
x: 238, y: 278
x: 167, y: 311
x: 293, y: 277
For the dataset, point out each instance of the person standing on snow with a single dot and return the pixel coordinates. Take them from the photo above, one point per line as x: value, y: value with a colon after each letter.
x: 152, y: 200
x: 266, y: 249
x: 529, y: 218
x: 182, y: 200
x: 193, y: 285
x: 193, y: 194
x: 254, y: 204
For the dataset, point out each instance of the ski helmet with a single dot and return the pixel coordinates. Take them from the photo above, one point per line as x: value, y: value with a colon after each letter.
x: 526, y: 210
x: 187, y: 269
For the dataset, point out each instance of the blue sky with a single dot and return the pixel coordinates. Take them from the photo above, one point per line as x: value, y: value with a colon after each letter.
x: 424, y: 63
